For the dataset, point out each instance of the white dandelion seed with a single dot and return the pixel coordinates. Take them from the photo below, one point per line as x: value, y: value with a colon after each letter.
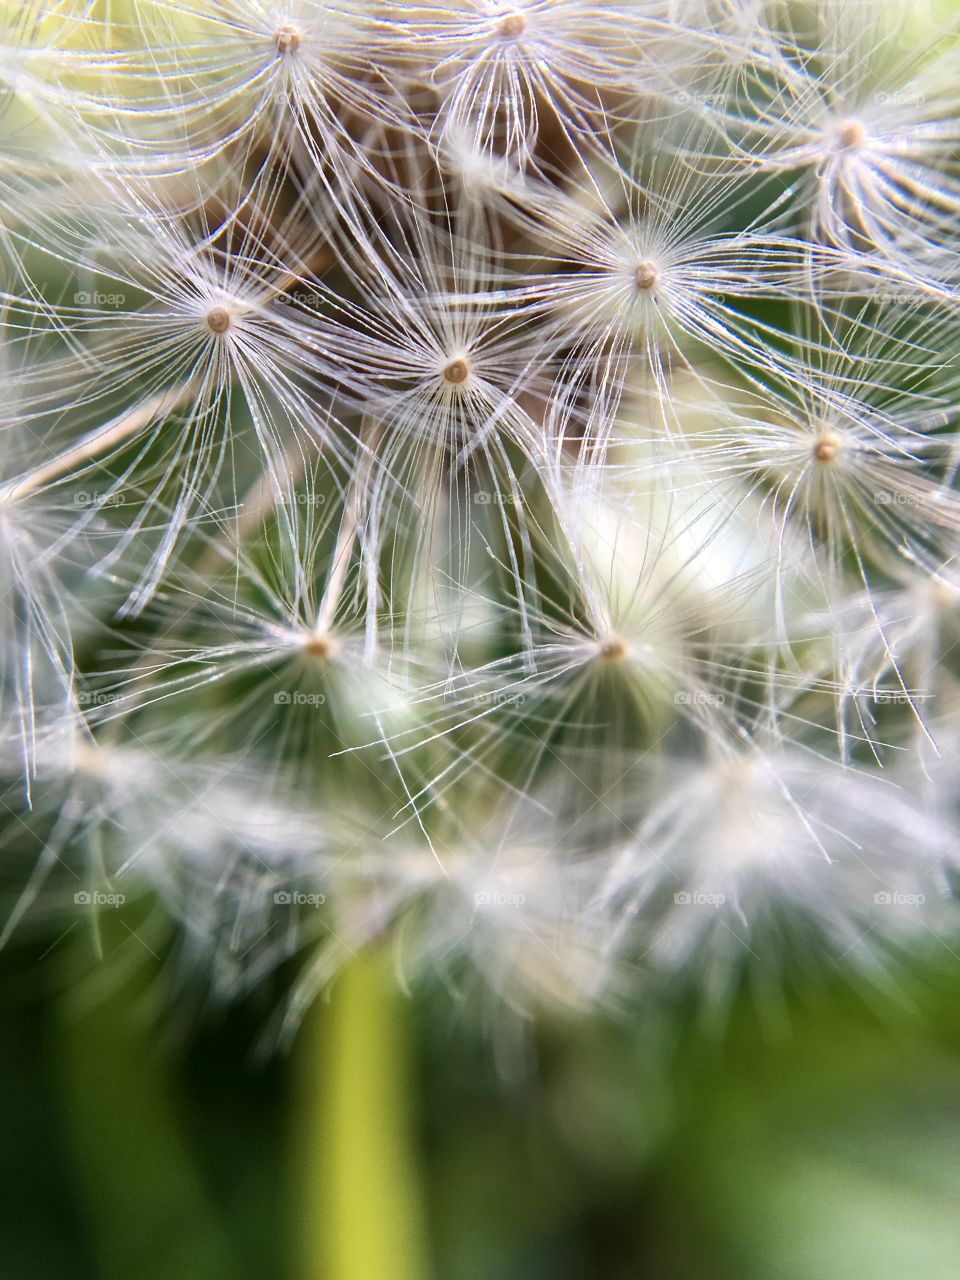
x: 868, y: 115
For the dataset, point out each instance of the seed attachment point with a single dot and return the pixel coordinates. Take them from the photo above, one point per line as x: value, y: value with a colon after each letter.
x: 456, y: 372
x: 826, y: 446
x: 318, y: 646
x: 511, y: 26
x: 287, y: 40
x: 646, y: 276
x: 851, y: 135
x: 613, y: 649
x: 218, y: 320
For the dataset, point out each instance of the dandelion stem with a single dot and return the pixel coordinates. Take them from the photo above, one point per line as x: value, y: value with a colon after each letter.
x: 359, y: 1204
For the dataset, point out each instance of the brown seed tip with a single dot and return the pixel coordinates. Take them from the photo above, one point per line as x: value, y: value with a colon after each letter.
x: 511, y: 25
x: 318, y: 645
x: 456, y: 372
x: 851, y: 135
x: 288, y: 40
x: 646, y: 276
x: 613, y: 648
x: 826, y: 447
x: 218, y: 319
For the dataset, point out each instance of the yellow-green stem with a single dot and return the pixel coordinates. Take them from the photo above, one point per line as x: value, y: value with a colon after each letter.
x: 359, y: 1197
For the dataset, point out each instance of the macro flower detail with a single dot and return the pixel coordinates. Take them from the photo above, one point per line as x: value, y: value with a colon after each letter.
x: 480, y: 482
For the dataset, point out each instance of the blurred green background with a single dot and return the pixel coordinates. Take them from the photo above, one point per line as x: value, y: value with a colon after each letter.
x: 150, y: 1135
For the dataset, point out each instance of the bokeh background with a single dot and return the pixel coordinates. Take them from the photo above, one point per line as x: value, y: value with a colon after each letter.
x: 150, y: 1135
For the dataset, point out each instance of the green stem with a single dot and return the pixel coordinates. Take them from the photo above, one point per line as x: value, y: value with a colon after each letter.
x: 359, y: 1201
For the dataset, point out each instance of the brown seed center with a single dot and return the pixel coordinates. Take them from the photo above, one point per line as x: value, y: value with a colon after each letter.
x: 456, y: 372
x: 851, y: 135
x: 288, y: 40
x: 613, y: 648
x: 826, y: 447
x: 318, y: 646
x: 511, y: 25
x: 218, y: 319
x: 646, y: 276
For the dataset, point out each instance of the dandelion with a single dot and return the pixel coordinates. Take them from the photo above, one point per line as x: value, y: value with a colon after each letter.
x: 867, y: 114
x: 281, y: 77
x: 861, y: 459
x: 645, y: 277
x: 747, y: 847
x: 480, y: 480
x: 505, y: 72
x: 184, y: 325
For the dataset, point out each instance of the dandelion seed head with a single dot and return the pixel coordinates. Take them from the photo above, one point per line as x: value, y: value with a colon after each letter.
x: 613, y: 649
x: 510, y: 26
x: 320, y: 645
x: 218, y: 319
x: 456, y: 371
x: 646, y: 276
x: 288, y: 39
x: 826, y: 446
x: 474, y: 437
x: 850, y: 135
